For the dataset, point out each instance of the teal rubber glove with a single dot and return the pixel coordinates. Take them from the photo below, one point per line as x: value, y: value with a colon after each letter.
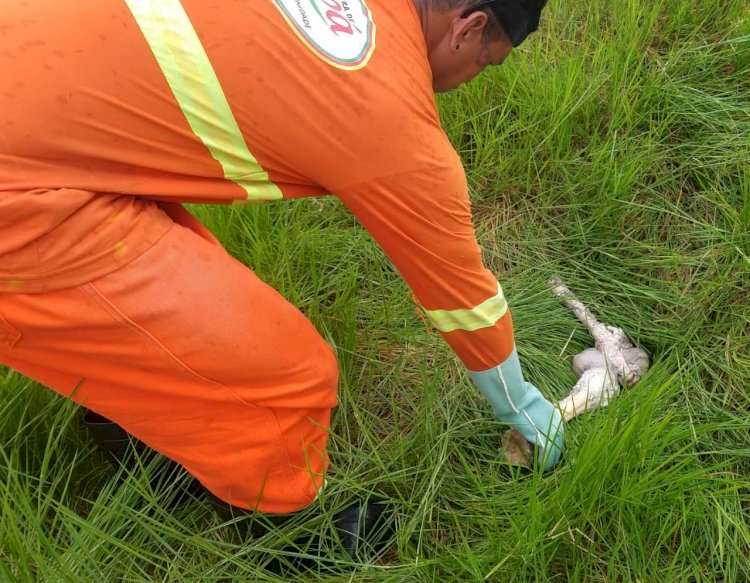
x: 523, y: 407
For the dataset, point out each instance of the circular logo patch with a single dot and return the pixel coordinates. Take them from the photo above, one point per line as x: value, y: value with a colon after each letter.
x: 340, y: 32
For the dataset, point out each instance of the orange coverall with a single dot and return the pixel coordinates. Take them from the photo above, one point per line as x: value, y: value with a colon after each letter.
x: 112, y: 112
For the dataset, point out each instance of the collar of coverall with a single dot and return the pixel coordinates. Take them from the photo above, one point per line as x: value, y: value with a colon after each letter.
x: 519, y: 18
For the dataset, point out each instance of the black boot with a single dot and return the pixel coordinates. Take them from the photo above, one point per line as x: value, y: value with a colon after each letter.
x: 255, y: 522
x: 109, y: 436
x: 120, y: 447
x: 365, y: 529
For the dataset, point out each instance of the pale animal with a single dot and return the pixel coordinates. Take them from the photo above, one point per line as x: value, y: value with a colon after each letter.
x: 603, y: 370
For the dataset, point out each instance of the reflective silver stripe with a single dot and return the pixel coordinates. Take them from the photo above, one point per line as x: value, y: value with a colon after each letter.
x: 186, y: 67
x: 484, y: 315
x: 506, y: 390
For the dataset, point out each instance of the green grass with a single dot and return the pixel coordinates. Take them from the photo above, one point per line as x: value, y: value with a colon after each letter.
x: 613, y: 150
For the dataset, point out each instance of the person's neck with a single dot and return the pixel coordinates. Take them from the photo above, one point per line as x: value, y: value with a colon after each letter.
x: 422, y: 10
x: 433, y: 21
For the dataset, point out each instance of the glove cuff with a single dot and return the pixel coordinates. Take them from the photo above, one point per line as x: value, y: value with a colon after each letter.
x: 522, y: 406
x: 504, y: 387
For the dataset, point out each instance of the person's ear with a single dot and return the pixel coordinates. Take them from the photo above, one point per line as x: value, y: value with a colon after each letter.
x: 466, y: 29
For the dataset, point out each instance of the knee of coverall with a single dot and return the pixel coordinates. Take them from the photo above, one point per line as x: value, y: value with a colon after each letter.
x: 331, y: 373
x: 319, y: 372
x: 293, y: 368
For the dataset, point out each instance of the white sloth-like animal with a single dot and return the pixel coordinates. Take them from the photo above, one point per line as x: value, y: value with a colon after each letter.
x: 603, y: 371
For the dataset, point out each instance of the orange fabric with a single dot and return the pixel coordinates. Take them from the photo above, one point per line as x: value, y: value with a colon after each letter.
x: 49, y: 241
x: 86, y: 107
x: 437, y: 254
x: 190, y: 352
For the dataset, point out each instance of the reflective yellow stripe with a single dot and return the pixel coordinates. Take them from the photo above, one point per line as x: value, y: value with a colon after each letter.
x: 484, y: 315
x: 191, y: 77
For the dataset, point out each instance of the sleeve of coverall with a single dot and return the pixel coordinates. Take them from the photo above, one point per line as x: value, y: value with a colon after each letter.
x: 422, y: 220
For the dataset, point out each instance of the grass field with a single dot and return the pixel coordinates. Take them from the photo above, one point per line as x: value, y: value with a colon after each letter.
x: 613, y: 150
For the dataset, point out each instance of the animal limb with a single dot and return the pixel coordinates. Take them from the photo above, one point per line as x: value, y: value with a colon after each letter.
x: 594, y: 389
